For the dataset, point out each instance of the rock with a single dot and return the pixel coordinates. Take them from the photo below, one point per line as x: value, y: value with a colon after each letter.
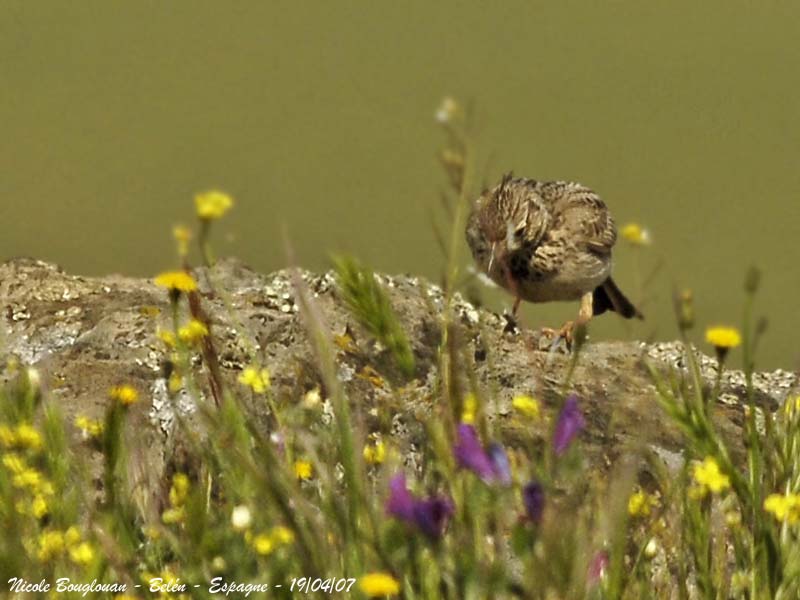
x: 85, y: 335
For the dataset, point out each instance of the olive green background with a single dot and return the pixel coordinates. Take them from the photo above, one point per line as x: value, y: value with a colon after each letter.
x: 318, y: 118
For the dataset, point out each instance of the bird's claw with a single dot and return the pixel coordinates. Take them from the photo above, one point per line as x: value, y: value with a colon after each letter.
x: 565, y: 333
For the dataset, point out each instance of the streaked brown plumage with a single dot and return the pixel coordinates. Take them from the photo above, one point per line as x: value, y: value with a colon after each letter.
x: 548, y: 241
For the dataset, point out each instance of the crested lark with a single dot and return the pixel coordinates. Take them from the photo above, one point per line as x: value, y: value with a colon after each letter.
x: 548, y: 241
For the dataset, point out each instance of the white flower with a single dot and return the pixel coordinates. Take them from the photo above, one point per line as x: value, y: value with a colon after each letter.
x: 651, y: 549
x: 34, y: 378
x: 312, y: 398
x: 448, y: 109
x: 241, y: 517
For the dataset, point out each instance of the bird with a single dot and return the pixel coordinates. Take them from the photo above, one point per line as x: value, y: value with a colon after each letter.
x: 548, y: 241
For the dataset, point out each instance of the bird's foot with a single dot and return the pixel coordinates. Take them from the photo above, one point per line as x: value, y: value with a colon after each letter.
x: 511, y: 326
x: 566, y: 334
x: 572, y: 334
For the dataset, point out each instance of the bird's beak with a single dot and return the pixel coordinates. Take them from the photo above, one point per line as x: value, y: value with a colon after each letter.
x: 491, y: 258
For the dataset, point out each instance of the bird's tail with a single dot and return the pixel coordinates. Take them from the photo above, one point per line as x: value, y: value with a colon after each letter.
x: 608, y: 296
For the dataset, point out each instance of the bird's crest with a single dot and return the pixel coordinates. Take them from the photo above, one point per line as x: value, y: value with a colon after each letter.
x: 503, y: 187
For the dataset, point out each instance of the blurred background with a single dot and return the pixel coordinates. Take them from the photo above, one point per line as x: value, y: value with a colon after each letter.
x: 319, y: 117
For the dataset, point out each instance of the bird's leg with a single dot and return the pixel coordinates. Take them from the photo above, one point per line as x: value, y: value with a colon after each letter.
x: 511, y: 320
x: 517, y: 300
x: 585, y: 313
x: 586, y: 310
x: 512, y: 285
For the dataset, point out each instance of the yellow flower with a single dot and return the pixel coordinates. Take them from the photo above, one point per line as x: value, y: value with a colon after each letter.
x: 193, y: 331
x: 168, y: 577
x: 22, y: 436
x: 28, y: 478
x: 7, y: 436
x: 708, y: 475
x: 723, y: 338
x: 179, y: 490
x: 530, y: 407
x: 212, y: 205
x: 375, y: 453
x: 175, y: 382
x: 182, y: 235
x: 263, y: 544
x: 375, y: 585
x: 176, y: 281
x: 783, y: 508
x: 51, y: 544
x: 146, y: 576
x: 81, y: 554
x: 281, y: 535
x: 72, y: 536
x: 173, y: 515
x: 257, y: 380
x: 14, y: 463
x: 39, y: 507
x: 470, y: 409
x: 167, y: 337
x: 635, y: 234
x: 89, y: 427
x: 28, y: 437
x: 640, y: 503
x: 303, y: 469
x: 124, y: 394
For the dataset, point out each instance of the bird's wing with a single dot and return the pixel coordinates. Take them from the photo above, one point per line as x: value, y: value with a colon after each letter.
x: 547, y: 258
x: 580, y: 214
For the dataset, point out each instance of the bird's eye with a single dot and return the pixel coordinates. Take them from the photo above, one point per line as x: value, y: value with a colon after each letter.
x: 519, y: 233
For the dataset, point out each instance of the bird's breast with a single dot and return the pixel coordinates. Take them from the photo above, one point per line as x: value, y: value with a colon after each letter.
x: 577, y: 274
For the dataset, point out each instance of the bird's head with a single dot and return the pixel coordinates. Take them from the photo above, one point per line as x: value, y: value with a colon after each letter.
x: 512, y: 216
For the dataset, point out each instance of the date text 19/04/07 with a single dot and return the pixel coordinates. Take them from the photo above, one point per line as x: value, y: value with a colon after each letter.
x: 216, y: 586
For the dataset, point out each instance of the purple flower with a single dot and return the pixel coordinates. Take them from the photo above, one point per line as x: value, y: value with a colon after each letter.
x: 430, y: 515
x: 491, y: 466
x: 570, y: 423
x: 533, y: 498
x: 500, y: 465
x: 598, y: 566
x: 471, y: 455
x: 400, y: 503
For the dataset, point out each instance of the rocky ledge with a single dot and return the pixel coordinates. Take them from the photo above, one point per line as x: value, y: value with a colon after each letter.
x: 84, y: 335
